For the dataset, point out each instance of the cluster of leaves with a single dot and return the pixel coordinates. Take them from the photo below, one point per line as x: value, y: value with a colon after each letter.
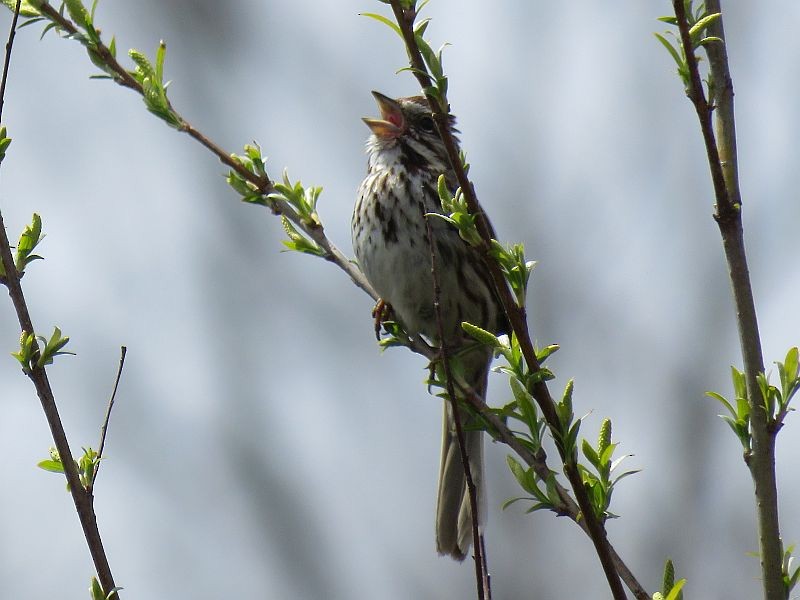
x: 511, y: 259
x: 151, y: 78
x: 699, y: 20
x: 82, y: 29
x: 253, y: 162
x: 671, y: 589
x: 600, y: 483
x: 30, y: 354
x: 433, y: 59
x: 597, y: 476
x: 28, y: 241
x: 303, y: 200
x: 86, y: 466
x: 774, y: 400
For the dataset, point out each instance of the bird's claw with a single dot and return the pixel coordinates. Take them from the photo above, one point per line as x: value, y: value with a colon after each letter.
x: 382, y: 311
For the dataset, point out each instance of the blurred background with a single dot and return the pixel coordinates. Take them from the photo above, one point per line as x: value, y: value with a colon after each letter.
x: 261, y: 445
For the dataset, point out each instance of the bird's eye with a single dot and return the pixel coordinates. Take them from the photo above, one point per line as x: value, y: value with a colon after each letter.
x: 426, y: 124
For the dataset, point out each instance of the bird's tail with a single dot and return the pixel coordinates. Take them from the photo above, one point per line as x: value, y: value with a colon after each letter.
x: 453, y: 511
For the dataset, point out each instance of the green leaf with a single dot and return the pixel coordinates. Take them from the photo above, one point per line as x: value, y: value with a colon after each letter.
x: 51, y: 465
x: 78, y: 13
x: 481, y: 335
x: 700, y: 26
x: 384, y: 20
x: 26, y: 9
x: 676, y: 593
x: 676, y: 55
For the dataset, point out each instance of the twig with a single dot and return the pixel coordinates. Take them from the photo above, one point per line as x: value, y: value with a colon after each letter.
x: 38, y: 375
x: 7, y: 62
x: 104, y: 429
x: 263, y: 184
x: 481, y: 567
x: 722, y: 162
x: 516, y: 315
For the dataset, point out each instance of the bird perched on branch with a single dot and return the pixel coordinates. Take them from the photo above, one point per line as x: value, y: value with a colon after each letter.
x: 391, y: 243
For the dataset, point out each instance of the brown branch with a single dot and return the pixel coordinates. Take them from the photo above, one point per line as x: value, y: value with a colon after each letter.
x: 38, y: 375
x: 81, y: 498
x: 481, y: 566
x: 516, y: 315
x: 722, y: 161
x: 264, y: 185
x: 104, y: 427
x: 7, y: 61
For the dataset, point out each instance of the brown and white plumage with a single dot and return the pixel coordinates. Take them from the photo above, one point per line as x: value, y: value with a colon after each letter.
x: 406, y: 158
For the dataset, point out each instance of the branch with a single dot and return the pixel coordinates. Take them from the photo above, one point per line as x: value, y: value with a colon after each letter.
x: 481, y: 566
x: 80, y: 496
x: 7, y: 62
x: 724, y: 174
x: 516, y: 315
x: 38, y: 375
x: 264, y: 185
x: 104, y: 427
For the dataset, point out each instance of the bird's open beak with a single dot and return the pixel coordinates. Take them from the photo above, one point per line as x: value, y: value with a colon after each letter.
x: 391, y: 124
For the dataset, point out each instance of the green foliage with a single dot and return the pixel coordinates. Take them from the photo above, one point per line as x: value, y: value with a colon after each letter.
x: 31, y: 357
x: 543, y: 493
x: 738, y: 418
x: 151, y: 78
x: 5, y: 142
x: 515, y: 269
x: 86, y: 466
x: 28, y: 8
x: 790, y: 577
x: 671, y: 589
x: 432, y: 59
x: 253, y: 162
x: 457, y: 213
x: 774, y: 400
x: 96, y: 591
x: 698, y: 21
x: 304, y: 202
x: 28, y: 241
x: 599, y: 483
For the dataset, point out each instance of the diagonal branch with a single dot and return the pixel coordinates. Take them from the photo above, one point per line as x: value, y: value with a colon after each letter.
x: 405, y: 19
x: 481, y: 565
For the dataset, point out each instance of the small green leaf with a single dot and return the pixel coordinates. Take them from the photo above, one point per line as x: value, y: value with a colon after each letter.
x: 698, y: 28
x: 481, y: 335
x: 676, y: 55
x: 385, y: 21
x: 78, y: 13
x: 51, y: 466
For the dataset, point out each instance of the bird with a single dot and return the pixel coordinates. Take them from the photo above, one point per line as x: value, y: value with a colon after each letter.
x: 389, y: 227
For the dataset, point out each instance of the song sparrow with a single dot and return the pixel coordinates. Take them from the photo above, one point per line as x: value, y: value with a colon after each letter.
x: 406, y: 157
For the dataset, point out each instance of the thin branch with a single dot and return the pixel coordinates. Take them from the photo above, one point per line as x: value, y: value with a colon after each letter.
x: 7, y: 62
x: 263, y: 184
x: 104, y: 429
x: 516, y: 315
x: 38, y: 375
x: 724, y: 174
x: 481, y: 567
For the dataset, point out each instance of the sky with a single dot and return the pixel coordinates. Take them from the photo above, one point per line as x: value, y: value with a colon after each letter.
x: 261, y: 444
